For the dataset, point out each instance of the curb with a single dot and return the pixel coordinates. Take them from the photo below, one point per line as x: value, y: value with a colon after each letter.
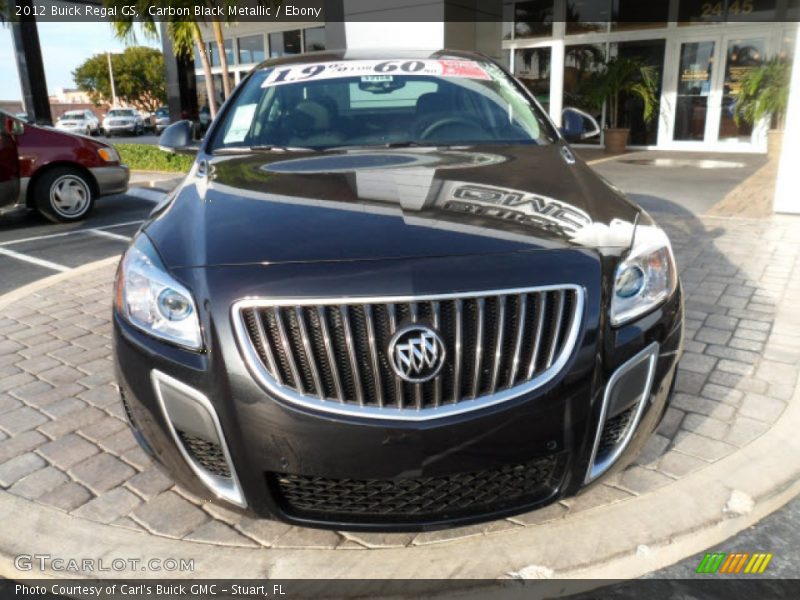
x: 625, y: 539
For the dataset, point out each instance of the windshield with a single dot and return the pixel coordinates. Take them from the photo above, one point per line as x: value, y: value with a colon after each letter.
x: 162, y: 112
x: 380, y: 102
x: 74, y: 116
x: 120, y: 113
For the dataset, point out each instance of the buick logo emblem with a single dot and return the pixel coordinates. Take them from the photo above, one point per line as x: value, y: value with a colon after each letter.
x: 416, y: 353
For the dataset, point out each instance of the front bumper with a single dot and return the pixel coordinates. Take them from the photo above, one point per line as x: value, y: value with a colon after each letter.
x: 285, y: 458
x: 130, y: 128
x: 111, y: 180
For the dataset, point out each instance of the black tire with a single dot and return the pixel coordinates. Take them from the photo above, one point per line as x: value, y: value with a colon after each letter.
x: 64, y: 195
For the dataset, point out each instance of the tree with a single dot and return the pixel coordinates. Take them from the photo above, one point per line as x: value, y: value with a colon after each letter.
x: 183, y: 33
x: 622, y: 76
x: 139, y: 78
x: 765, y: 92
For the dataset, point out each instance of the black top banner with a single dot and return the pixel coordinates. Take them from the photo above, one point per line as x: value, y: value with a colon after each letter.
x: 650, y: 13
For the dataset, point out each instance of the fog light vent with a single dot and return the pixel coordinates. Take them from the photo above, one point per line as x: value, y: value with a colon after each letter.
x: 624, y: 401
x: 208, y: 454
x: 196, y: 431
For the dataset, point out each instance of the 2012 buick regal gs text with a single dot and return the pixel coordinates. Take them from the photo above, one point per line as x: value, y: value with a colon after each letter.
x: 389, y: 296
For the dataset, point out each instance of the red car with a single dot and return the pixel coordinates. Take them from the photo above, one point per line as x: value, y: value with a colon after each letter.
x: 59, y: 174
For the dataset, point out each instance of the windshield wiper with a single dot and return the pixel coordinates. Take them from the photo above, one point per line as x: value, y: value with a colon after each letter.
x: 260, y: 148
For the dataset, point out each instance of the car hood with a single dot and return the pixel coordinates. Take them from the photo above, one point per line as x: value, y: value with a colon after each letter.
x: 371, y: 204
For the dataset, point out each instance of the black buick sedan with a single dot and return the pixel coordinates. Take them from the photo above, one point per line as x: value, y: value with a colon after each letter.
x: 389, y: 296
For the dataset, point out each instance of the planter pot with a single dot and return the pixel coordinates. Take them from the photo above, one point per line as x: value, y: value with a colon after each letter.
x: 616, y: 140
x: 774, y: 143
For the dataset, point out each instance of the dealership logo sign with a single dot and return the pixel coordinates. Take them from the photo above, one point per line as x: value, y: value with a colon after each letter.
x: 417, y: 353
x: 734, y: 563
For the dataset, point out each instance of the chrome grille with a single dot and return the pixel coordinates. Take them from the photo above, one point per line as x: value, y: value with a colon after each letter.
x: 334, y: 356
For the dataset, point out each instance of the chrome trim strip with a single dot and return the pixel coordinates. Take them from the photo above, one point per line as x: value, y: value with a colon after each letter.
x: 226, y: 488
x: 287, y: 347
x: 437, y: 382
x: 253, y: 362
x: 498, y: 347
x: 523, y: 307
x: 373, y: 353
x: 561, y: 299
x: 323, y: 325
x: 476, y: 376
x: 650, y: 353
x: 459, y: 343
x: 398, y: 386
x: 262, y: 337
x: 344, y: 313
x: 312, y: 362
x: 541, y: 309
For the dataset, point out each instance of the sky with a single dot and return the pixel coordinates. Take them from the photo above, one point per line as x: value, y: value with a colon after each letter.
x: 64, y: 47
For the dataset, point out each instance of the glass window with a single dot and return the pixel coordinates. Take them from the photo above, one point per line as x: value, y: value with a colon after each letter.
x: 284, y: 42
x: 635, y: 14
x: 584, y: 16
x: 213, y: 55
x: 315, y: 39
x: 718, y: 11
x: 743, y: 56
x: 229, y: 56
x: 694, y: 86
x: 508, y: 20
x: 532, y: 68
x: 580, y: 62
x: 533, y: 19
x: 631, y: 107
x: 251, y: 49
x: 378, y: 102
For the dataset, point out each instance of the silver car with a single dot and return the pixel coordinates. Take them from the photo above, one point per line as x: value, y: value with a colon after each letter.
x: 123, y: 121
x: 79, y: 121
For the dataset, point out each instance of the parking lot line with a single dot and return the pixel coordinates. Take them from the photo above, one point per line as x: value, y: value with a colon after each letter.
x: 33, y: 260
x: 73, y: 232
x: 108, y: 234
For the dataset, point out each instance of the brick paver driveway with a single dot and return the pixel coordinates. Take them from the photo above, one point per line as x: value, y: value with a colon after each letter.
x: 64, y: 442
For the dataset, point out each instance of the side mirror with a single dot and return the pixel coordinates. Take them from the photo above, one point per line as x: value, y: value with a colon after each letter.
x: 578, y: 125
x: 14, y: 127
x: 178, y: 138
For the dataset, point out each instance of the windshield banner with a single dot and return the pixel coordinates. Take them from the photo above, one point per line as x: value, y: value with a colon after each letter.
x: 375, y: 68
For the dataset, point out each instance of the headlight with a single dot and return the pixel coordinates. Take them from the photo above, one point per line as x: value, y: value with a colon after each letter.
x: 645, y: 278
x: 108, y: 154
x: 151, y: 300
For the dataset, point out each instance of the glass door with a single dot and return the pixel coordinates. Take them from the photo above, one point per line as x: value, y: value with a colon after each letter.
x: 695, y: 85
x: 742, y: 56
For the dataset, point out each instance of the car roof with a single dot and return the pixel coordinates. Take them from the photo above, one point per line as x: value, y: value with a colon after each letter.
x: 367, y: 54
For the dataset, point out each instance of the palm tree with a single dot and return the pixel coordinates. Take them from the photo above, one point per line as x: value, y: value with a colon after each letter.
x: 184, y: 35
x: 623, y: 75
x: 216, y: 26
x: 764, y: 93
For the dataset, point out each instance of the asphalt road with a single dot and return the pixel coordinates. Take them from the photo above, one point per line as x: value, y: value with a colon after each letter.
x: 32, y: 247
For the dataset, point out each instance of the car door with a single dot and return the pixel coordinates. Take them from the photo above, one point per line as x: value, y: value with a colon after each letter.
x: 9, y: 163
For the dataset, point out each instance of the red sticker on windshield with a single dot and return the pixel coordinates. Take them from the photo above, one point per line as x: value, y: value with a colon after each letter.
x: 463, y: 68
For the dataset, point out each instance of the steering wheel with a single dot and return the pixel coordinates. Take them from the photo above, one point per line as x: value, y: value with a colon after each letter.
x: 449, y: 122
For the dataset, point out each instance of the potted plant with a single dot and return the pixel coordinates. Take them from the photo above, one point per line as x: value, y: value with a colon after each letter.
x: 614, y: 79
x: 765, y: 93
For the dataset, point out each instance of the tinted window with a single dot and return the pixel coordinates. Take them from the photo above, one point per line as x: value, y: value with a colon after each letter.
x: 251, y: 49
x: 378, y: 102
x: 315, y: 39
